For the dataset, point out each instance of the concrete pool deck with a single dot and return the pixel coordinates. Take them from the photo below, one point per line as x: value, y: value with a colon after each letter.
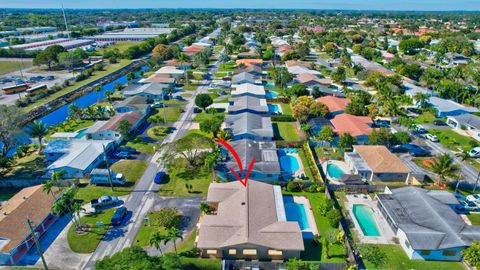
x: 386, y: 233
x: 341, y: 164
x: 308, y: 211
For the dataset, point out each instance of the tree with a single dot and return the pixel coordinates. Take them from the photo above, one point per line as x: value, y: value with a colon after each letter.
x: 402, y: 137
x: 156, y: 240
x: 444, y: 166
x: 129, y: 258
x: 224, y: 58
x: 124, y: 129
x: 203, y: 101
x: 408, y: 45
x: 420, y: 98
x: 49, y: 56
x: 211, y: 159
x: 345, y: 58
x: 38, y: 130
x: 168, y: 217
x: 472, y: 254
x: 71, y: 59
x: 190, y: 147
x: 162, y: 51
x: 74, y: 111
x: 205, y: 208
x: 11, y: 118
x: 212, y: 125
x: 296, y: 264
x: 325, y: 206
x: 333, y: 217
x: 340, y: 75
x: 374, y: 255
x: 346, y: 141
x: 381, y: 136
x: 326, y: 134
x: 172, y: 235
x: 296, y: 90
x: 305, y: 107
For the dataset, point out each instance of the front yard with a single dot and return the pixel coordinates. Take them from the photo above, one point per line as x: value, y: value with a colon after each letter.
x: 452, y: 140
x: 131, y: 169
x: 142, y: 145
x: 396, y: 259
x: 171, y: 114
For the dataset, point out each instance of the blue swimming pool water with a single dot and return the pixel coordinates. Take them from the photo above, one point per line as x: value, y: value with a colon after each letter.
x: 270, y: 94
x: 289, y: 164
x: 81, y: 133
x: 274, y: 108
x: 270, y: 84
x: 334, y: 171
x: 296, y: 212
x: 364, y: 216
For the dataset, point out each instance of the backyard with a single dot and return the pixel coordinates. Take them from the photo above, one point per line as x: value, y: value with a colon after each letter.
x: 285, y: 131
x: 131, y: 169
x: 396, y: 259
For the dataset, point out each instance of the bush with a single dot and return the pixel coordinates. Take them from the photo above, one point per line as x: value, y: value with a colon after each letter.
x: 167, y: 217
x: 294, y: 186
x: 316, y: 188
x: 325, y: 206
x: 333, y: 218
x: 283, y: 118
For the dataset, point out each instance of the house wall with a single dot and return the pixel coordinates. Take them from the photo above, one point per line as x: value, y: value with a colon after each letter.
x: 251, y: 137
x: 468, y: 131
x: 262, y: 253
x: 105, y: 135
x: 250, y: 111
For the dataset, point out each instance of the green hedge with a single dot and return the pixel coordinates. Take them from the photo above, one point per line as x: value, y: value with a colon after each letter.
x: 283, y: 118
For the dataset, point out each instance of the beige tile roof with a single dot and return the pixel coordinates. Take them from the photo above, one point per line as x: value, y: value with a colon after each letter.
x: 246, y: 216
x: 32, y: 203
x: 380, y: 159
x: 114, y: 122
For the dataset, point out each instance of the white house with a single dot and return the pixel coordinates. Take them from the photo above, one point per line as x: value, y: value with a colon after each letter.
x: 109, y: 130
x: 466, y: 124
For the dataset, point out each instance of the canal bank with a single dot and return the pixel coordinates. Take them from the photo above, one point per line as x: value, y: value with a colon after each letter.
x: 72, y: 96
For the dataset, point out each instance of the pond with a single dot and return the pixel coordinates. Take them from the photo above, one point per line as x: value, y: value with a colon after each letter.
x: 61, y: 114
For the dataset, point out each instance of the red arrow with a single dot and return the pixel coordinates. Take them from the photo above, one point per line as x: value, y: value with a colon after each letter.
x: 239, y: 163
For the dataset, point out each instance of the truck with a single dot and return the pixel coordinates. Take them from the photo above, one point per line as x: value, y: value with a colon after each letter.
x: 100, y: 177
x: 104, y: 201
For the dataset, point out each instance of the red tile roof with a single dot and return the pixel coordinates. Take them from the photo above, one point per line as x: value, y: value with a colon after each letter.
x: 308, y: 77
x: 114, y: 122
x: 334, y: 104
x: 355, y: 125
x: 249, y: 62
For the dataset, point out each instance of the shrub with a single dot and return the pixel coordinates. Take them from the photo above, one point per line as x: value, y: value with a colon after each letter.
x: 333, y: 218
x: 283, y: 118
x: 167, y: 217
x: 294, y: 186
x: 326, y: 206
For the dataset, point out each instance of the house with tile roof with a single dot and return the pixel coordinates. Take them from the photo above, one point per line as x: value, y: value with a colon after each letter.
x: 249, y: 223
x: 296, y: 70
x: 358, y: 126
x: 193, y: 50
x: 377, y: 163
x: 335, y: 105
x: 249, y: 126
x: 15, y: 238
x: 425, y: 223
x: 109, y: 130
x: 249, y: 62
x: 311, y: 80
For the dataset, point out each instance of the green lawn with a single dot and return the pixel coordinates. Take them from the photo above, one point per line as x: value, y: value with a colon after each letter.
x: 121, y: 46
x: 174, y: 101
x: 398, y: 260
x: 97, y: 74
x: 190, y: 87
x: 285, y: 131
x: 87, y: 242
x: 337, y: 252
x: 475, y: 219
x: 327, y: 153
x: 185, y: 250
x: 286, y: 109
x: 145, y: 232
x: 180, y: 174
x: 131, y: 169
x: 141, y: 145
x: 425, y: 118
x: 25, y: 167
x: 226, y: 67
x: 158, y: 132
x: 10, y: 66
x: 171, y: 114
x: 452, y: 140
x: 205, y: 116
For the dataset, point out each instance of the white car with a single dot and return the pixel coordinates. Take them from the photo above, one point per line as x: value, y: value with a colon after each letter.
x: 419, y: 128
x: 475, y: 152
x: 431, y: 137
x: 474, y: 198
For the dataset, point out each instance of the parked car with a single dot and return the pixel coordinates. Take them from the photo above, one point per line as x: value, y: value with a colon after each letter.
x: 403, y: 148
x: 156, y: 105
x: 431, y: 137
x: 159, y: 177
x: 439, y: 123
x: 414, y: 110
x: 467, y: 206
x: 474, y: 198
x: 104, y: 201
x: 382, y: 123
x: 197, y: 110
x: 49, y: 78
x: 101, y: 177
x: 118, y: 216
x: 475, y: 152
x: 127, y: 149
x: 419, y: 152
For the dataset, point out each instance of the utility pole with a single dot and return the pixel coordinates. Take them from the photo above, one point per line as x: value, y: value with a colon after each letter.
x: 108, y: 167
x: 65, y: 20
x: 37, y: 244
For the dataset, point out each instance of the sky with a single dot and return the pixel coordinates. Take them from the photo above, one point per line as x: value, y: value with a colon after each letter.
x: 433, y: 5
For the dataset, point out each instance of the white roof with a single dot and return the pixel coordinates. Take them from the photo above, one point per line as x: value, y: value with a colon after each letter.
x: 296, y: 70
x: 64, y: 135
x: 78, y: 154
x: 169, y: 70
x: 248, y: 88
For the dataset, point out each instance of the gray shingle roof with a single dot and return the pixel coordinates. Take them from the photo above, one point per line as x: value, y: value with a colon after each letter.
x: 468, y: 120
x: 265, y: 153
x: 427, y: 219
x: 249, y: 123
x: 243, y: 77
x: 248, y: 103
x: 445, y: 105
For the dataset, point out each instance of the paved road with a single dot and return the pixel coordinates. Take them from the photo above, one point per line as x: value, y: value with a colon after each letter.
x: 143, y: 197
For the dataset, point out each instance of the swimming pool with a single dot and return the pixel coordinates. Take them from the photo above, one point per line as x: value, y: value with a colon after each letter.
x: 274, y: 109
x: 270, y: 94
x: 81, y: 133
x: 364, y: 216
x: 296, y: 212
x: 270, y: 84
x: 289, y: 164
x: 333, y: 171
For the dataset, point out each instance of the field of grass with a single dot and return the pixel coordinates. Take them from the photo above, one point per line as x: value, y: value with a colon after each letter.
x: 26, y: 167
x: 205, y: 116
x: 158, y: 132
x: 87, y: 242
x: 98, y: 74
x: 180, y: 174
x: 121, y: 46
x: 325, y: 153
x: 142, y: 146
x: 131, y: 169
x: 452, y: 140
x: 425, y: 118
x: 285, y: 131
x: 396, y: 259
x: 226, y: 67
x: 286, y: 109
x: 11, y: 66
x: 171, y: 114
x: 145, y: 232
x: 475, y: 219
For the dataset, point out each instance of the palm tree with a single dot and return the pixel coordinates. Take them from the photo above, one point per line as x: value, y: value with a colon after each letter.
x: 210, y: 161
x: 90, y: 112
x: 48, y: 187
x: 109, y: 94
x: 205, y: 208
x: 420, y: 98
x: 74, y: 111
x: 172, y: 235
x: 156, y: 240
x: 464, y: 155
x: 39, y: 130
x: 98, y: 89
x: 444, y: 166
